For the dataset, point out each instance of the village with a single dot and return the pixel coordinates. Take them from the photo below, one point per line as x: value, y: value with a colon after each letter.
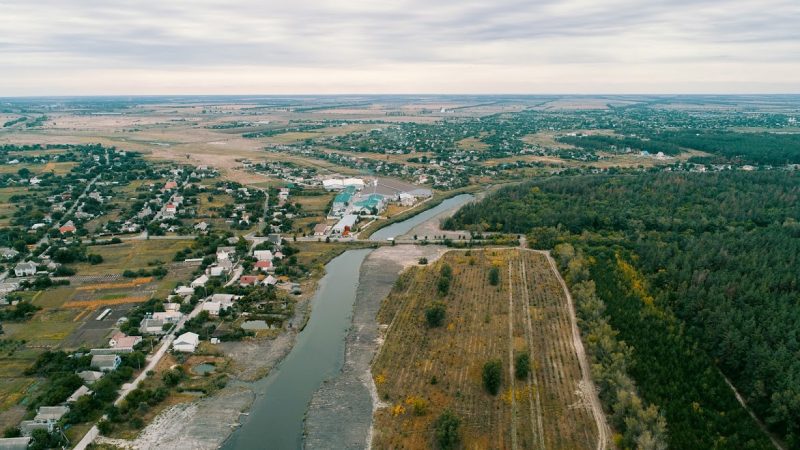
x: 135, y: 262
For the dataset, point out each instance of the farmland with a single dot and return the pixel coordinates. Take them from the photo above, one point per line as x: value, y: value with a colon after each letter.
x: 421, y: 372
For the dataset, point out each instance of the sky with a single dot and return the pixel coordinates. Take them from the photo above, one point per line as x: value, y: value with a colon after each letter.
x: 138, y: 47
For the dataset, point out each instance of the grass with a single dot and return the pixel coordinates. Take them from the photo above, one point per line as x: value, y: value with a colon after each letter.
x: 317, y: 254
x: 542, y: 411
x: 46, y: 329
x: 58, y: 168
x: 132, y: 255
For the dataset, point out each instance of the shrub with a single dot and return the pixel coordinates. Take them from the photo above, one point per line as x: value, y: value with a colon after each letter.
x: 522, y: 365
x: 494, y: 276
x: 492, y: 375
x: 434, y: 314
x: 447, y: 430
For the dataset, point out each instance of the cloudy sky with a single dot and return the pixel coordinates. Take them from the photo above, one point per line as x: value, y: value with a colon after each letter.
x: 76, y: 47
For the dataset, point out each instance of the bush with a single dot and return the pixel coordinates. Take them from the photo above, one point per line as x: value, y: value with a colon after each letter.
x: 522, y: 365
x: 434, y: 314
x: 94, y: 259
x: 423, y: 261
x: 494, y: 276
x: 447, y: 430
x: 492, y: 376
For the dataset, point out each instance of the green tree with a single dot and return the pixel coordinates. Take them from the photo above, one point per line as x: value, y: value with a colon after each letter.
x: 522, y: 365
x: 434, y: 314
x: 494, y: 276
x: 492, y: 376
x: 447, y: 430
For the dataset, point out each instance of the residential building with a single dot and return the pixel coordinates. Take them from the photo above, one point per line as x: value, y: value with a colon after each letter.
x: 8, y: 253
x: 122, y: 340
x: 152, y: 326
x: 90, y: 376
x: 200, y: 281
x: 263, y: 255
x: 25, y: 269
x: 106, y: 363
x: 187, y: 342
x: 80, y: 392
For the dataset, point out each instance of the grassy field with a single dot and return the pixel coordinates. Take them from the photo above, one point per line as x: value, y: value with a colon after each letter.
x: 525, y: 313
x: 59, y: 168
x: 133, y: 255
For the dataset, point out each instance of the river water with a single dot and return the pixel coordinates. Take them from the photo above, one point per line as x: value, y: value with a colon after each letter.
x: 276, y: 418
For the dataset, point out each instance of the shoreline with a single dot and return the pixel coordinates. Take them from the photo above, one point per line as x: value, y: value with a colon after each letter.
x: 351, y: 396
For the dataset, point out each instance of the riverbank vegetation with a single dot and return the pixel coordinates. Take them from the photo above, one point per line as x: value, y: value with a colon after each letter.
x: 698, y: 274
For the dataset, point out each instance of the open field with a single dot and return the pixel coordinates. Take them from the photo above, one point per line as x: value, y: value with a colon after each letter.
x: 131, y: 255
x: 526, y: 313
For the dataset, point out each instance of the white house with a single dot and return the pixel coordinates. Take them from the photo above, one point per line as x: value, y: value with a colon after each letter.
x: 184, y: 290
x: 8, y: 253
x: 25, y: 269
x: 200, y: 281
x: 216, y: 271
x: 187, y: 342
x: 270, y: 281
x: 168, y: 316
x: 263, y: 255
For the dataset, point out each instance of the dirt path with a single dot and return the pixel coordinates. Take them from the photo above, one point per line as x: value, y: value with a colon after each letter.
x: 603, y: 431
x: 511, y: 375
x: 535, y: 411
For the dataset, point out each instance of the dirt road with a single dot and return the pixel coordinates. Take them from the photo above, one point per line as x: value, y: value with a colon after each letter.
x: 603, y: 431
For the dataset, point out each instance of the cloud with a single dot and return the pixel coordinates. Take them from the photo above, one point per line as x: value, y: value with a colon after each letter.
x: 58, y: 43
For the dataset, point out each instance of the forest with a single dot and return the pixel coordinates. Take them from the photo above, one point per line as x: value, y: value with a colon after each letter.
x: 698, y: 272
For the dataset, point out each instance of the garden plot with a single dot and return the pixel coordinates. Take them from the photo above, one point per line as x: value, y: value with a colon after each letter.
x: 422, y: 371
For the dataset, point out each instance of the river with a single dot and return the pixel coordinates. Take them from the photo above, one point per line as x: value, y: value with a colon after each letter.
x: 276, y: 418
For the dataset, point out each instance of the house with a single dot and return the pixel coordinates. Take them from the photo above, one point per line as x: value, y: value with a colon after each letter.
x: 168, y: 316
x: 169, y: 185
x: 248, y: 280
x: 224, y: 298
x: 25, y: 269
x: 68, y: 227
x: 152, y: 326
x: 263, y: 255
x: 275, y: 239
x: 187, y: 342
x: 122, y: 340
x: 225, y: 253
x: 320, y: 229
x: 216, y: 271
x: 214, y: 307
x: 172, y: 306
x: 263, y: 265
x: 8, y: 253
x: 270, y: 281
x: 202, y: 226
x: 17, y: 443
x: 200, y: 281
x: 80, y: 392
x: 46, y: 418
x: 184, y: 290
x: 106, y: 363
x: 169, y: 211
x: 90, y: 376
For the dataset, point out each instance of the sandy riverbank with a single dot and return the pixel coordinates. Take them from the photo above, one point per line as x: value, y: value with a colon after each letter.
x: 351, y: 398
